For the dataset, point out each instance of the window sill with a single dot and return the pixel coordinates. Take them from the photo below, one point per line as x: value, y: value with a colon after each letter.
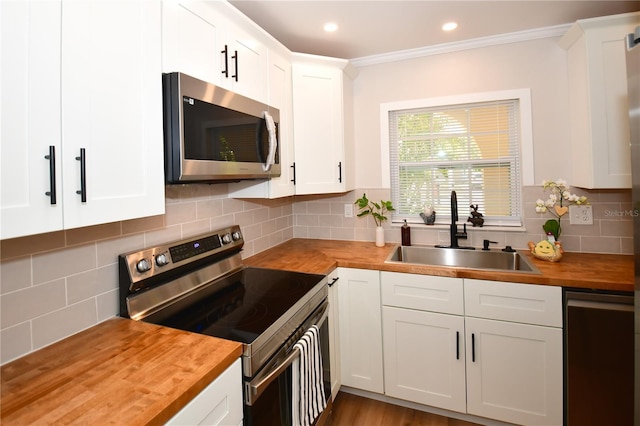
x: 442, y: 226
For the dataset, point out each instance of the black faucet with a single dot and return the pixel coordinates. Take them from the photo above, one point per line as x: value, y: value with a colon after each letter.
x: 453, y: 228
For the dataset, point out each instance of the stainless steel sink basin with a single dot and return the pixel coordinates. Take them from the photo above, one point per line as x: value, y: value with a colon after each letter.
x: 474, y: 259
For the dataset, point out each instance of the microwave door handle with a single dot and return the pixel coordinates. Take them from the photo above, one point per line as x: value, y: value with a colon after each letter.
x: 273, y: 141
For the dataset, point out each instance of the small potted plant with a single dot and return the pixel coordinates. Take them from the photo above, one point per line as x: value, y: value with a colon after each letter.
x: 377, y: 212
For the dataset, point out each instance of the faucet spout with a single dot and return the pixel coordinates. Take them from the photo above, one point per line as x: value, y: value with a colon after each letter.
x: 454, y: 207
x: 453, y: 228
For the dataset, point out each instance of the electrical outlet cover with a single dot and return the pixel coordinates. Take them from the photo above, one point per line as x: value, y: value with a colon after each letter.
x: 580, y: 215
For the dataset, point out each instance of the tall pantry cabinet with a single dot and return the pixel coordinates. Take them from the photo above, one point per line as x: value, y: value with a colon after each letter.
x: 81, y: 114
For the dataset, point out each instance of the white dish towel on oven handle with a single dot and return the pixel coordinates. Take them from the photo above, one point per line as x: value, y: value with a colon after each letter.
x: 308, y: 398
x: 273, y: 141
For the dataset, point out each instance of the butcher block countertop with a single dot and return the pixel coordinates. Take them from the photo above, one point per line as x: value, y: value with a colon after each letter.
x: 118, y: 372
x: 578, y: 270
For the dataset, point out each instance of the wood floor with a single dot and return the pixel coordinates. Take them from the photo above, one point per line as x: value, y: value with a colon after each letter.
x: 352, y: 410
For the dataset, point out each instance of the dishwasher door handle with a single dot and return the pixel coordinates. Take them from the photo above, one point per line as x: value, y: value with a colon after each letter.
x: 609, y: 306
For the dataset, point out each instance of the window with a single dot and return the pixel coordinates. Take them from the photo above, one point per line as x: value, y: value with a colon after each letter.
x: 475, y: 148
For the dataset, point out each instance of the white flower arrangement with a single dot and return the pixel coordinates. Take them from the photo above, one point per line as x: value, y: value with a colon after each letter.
x: 557, y: 204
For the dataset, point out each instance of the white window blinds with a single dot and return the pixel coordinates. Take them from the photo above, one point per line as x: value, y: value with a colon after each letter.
x: 473, y: 149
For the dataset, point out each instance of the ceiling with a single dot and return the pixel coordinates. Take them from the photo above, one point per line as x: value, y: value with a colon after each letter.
x: 368, y: 28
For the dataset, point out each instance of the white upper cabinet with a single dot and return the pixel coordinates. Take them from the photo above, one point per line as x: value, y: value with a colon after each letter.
x: 598, y: 103
x: 279, y: 97
x: 323, y: 124
x: 215, y: 43
x: 30, y: 117
x: 111, y: 108
x: 92, y: 93
x: 191, y: 40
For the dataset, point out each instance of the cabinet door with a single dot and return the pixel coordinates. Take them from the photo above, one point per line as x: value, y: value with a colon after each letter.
x: 191, y: 40
x: 514, y: 372
x: 112, y: 109
x: 30, y: 117
x: 247, y: 62
x: 318, y: 128
x: 598, y: 101
x: 220, y: 403
x: 424, y: 359
x: 360, y: 329
x: 280, y: 98
x: 334, y: 333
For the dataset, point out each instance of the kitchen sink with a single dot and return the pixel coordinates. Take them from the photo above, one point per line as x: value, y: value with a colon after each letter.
x: 474, y: 259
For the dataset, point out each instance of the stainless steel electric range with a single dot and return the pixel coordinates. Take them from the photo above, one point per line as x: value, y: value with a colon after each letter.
x: 200, y: 284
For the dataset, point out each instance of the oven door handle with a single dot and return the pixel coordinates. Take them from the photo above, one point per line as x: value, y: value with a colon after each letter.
x: 255, y: 388
x: 259, y: 384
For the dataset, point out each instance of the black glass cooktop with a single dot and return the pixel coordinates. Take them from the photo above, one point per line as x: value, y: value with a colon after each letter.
x: 254, y: 299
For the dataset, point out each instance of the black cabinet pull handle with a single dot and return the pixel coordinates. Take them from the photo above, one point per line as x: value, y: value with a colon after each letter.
x: 457, y: 345
x: 52, y: 173
x: 83, y: 175
x: 340, y: 172
x: 333, y: 281
x: 293, y: 166
x: 473, y: 347
x: 235, y: 58
x: 225, y: 71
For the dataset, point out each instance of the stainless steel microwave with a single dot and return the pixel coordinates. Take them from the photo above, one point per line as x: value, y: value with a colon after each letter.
x: 212, y: 134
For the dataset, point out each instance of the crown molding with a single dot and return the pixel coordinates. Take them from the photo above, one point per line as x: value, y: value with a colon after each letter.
x: 538, y: 33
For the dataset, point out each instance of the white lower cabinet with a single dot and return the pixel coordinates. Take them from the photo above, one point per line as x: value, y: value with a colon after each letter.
x: 423, y: 328
x: 360, y: 329
x: 514, y: 372
x: 220, y: 403
x: 424, y: 358
x: 514, y: 352
x: 334, y: 333
x: 491, y: 349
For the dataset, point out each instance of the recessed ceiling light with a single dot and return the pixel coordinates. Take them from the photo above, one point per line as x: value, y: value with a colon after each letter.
x: 330, y: 27
x: 450, y: 26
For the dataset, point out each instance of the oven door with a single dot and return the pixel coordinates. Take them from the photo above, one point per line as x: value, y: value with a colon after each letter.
x: 268, y: 393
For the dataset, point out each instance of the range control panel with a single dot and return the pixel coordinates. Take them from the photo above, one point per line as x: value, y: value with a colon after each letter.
x: 147, y: 263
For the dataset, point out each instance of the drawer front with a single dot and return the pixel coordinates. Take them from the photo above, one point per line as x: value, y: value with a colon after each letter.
x: 523, y: 303
x: 423, y: 292
x: 220, y: 403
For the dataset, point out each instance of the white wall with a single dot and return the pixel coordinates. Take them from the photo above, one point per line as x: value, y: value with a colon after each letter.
x: 538, y: 64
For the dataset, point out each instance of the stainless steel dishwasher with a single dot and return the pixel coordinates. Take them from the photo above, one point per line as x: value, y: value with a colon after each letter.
x: 599, y: 358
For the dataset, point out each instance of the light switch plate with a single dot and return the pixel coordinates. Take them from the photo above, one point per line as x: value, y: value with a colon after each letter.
x: 580, y: 215
x: 348, y: 210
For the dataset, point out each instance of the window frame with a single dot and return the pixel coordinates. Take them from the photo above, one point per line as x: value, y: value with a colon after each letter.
x: 526, y: 129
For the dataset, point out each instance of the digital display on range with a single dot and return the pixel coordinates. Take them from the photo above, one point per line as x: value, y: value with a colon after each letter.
x: 194, y: 248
